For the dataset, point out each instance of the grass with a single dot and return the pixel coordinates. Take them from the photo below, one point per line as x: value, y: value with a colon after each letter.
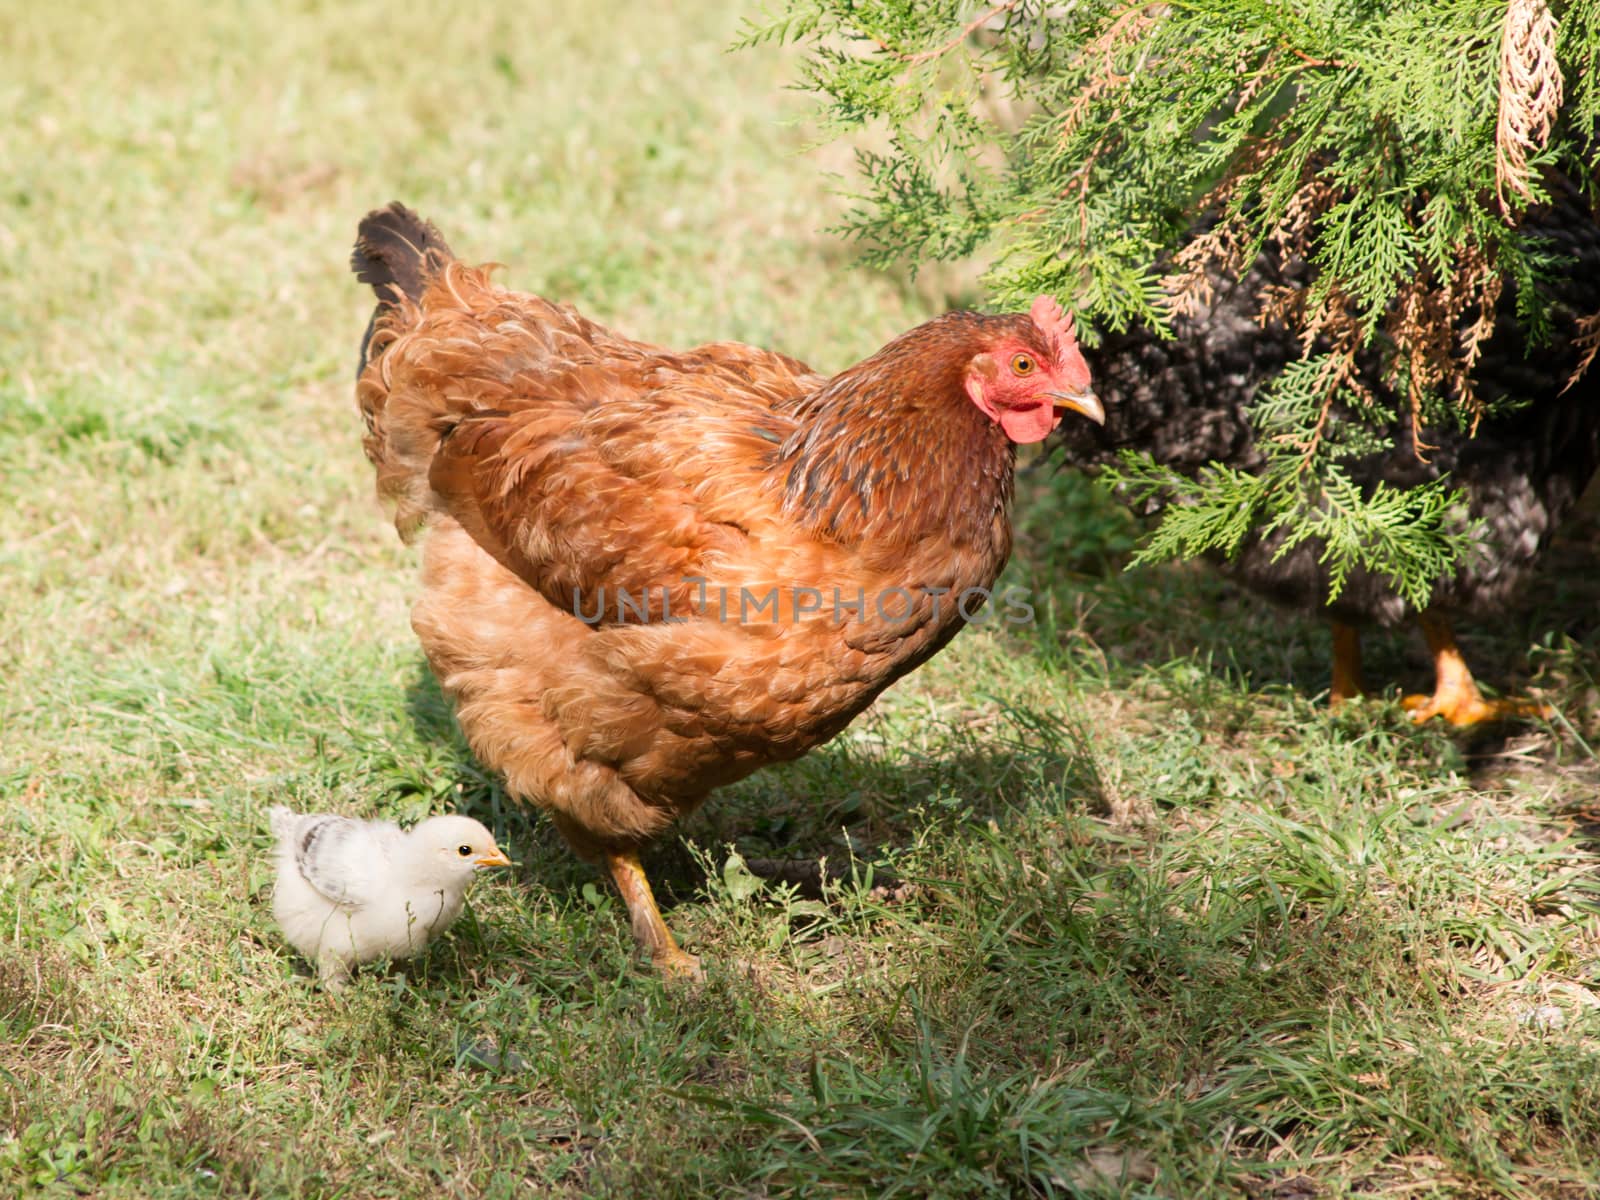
x: 1127, y: 913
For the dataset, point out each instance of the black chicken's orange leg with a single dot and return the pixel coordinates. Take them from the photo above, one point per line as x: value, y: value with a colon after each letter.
x: 1455, y: 695
x: 649, y: 930
x: 1347, y: 684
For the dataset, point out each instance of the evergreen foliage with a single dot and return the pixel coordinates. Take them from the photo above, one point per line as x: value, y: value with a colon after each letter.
x: 1124, y: 157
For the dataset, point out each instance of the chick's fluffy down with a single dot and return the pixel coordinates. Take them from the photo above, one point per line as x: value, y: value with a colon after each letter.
x: 349, y: 891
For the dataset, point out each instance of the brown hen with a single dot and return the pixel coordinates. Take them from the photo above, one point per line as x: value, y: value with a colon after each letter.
x: 648, y: 573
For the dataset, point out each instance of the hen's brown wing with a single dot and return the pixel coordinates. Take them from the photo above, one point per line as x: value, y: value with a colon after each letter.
x: 609, y: 475
x: 627, y: 504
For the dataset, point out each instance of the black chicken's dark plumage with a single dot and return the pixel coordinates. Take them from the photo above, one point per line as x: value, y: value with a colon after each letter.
x: 1186, y: 402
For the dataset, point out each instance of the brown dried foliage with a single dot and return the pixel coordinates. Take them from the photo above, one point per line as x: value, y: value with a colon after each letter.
x: 1220, y: 250
x: 1338, y: 372
x: 1102, y: 51
x: 1530, y: 92
x: 1586, y: 339
x: 1439, y: 328
x: 1121, y: 33
x: 967, y: 30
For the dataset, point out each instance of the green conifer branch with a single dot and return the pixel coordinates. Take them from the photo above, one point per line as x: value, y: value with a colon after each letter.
x: 1081, y: 146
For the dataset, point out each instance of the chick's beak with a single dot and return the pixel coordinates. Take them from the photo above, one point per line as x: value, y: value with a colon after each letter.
x: 1084, y: 401
x: 495, y: 858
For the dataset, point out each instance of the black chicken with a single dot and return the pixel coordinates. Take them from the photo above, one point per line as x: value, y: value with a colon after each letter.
x: 1185, y: 401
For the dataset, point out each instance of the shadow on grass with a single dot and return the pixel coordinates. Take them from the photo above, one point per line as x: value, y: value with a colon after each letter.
x: 856, y: 798
x: 1075, y: 543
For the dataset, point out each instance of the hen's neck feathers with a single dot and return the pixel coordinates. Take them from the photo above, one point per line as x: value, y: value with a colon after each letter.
x: 892, y: 449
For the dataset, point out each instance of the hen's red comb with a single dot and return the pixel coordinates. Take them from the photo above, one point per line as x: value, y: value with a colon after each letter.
x: 1054, y: 324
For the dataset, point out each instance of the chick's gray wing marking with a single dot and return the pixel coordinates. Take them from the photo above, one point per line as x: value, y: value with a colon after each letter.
x: 336, y: 856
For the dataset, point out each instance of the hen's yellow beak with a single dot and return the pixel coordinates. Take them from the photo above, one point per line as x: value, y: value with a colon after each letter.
x: 495, y: 858
x: 1085, y: 402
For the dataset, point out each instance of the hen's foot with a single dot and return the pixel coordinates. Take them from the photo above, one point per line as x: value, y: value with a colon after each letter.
x: 1463, y: 707
x: 1455, y: 695
x: 678, y: 966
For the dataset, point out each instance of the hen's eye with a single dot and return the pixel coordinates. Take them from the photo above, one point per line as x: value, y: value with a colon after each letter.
x: 1022, y: 364
x: 464, y: 851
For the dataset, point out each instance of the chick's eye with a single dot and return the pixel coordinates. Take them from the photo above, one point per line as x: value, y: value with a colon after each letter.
x: 1022, y: 364
x: 464, y: 851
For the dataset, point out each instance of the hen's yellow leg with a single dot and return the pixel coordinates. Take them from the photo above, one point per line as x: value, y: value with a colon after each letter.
x: 649, y: 930
x: 1455, y: 695
x: 1347, y: 684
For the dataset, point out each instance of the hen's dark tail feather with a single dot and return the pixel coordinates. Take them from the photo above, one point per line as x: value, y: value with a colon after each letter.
x: 396, y: 252
x: 395, y: 248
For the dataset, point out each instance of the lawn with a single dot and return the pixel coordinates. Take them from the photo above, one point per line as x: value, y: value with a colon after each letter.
x: 1118, y: 908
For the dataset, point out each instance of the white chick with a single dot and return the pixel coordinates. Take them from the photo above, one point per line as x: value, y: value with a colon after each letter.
x: 351, y: 891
